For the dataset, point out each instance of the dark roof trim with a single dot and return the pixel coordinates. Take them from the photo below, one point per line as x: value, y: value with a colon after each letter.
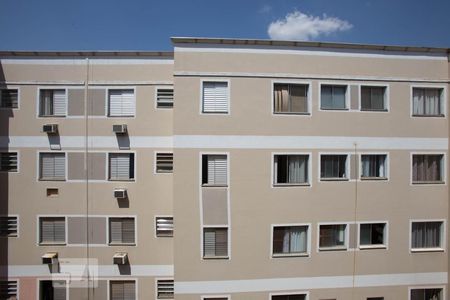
x: 277, y: 43
x: 89, y: 54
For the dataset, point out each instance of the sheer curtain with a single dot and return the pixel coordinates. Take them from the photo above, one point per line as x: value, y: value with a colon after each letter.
x: 418, y: 101
x: 426, y: 235
x: 297, y: 169
x: 432, y: 102
x: 294, y: 240
x: 281, y: 97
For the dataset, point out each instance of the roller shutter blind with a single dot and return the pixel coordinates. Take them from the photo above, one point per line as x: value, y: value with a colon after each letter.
x: 121, y: 103
x: 215, y: 242
x: 215, y: 97
x: 123, y: 290
x: 59, y: 291
x: 121, y: 166
x: 52, y: 166
x: 59, y: 102
x: 216, y: 170
x: 122, y: 230
x: 53, y: 230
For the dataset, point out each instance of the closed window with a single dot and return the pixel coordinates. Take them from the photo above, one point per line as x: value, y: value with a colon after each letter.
x: 373, y: 166
x: 373, y: 98
x: 164, y: 162
x: 52, y: 166
x: 122, y: 290
x: 214, y: 169
x: 372, y: 235
x: 164, y: 98
x: 215, y: 242
x: 121, y: 166
x: 164, y: 226
x: 9, y: 98
x: 426, y: 294
x: 291, y: 169
x: 122, y: 231
x: 332, y: 236
x: 290, y: 240
x: 164, y: 289
x: 52, y: 290
x: 333, y: 166
x: 290, y: 98
x: 8, y: 289
x: 8, y: 226
x: 215, y: 97
x: 333, y: 97
x: 8, y: 161
x: 289, y: 297
x: 122, y: 103
x: 52, y: 230
x: 426, y: 235
x: 428, y: 168
x: 52, y: 103
x: 428, y: 102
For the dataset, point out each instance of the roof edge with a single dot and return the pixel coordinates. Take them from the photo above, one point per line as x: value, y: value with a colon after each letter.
x: 89, y: 54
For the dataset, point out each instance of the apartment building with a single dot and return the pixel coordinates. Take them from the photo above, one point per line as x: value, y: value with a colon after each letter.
x: 226, y: 169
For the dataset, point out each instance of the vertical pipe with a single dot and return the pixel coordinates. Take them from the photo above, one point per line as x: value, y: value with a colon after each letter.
x: 86, y: 170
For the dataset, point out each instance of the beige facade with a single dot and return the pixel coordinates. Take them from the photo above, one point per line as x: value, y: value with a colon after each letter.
x: 244, y: 172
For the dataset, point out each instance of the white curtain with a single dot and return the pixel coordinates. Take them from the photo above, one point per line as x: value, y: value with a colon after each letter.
x: 294, y: 240
x: 297, y: 169
x: 432, y: 102
x: 426, y: 235
x: 418, y: 101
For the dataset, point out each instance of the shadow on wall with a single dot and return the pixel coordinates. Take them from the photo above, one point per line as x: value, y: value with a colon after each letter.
x: 5, y: 115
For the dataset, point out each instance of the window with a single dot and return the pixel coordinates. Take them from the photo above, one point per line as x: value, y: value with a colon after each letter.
x: 164, y: 288
x: 52, y: 103
x: 426, y: 294
x: 52, y: 290
x: 372, y: 235
x: 215, y: 242
x: 164, y: 98
x: 8, y: 161
x: 164, y: 162
x: 8, y: 289
x: 290, y: 240
x: 373, y: 166
x: 333, y: 97
x: 214, y: 169
x: 375, y: 298
x: 289, y: 297
x: 428, y: 168
x: 122, y: 290
x: 9, y: 98
x: 122, y: 231
x: 428, y: 102
x: 52, y: 166
x: 373, y: 98
x: 333, y: 166
x: 215, y: 97
x: 290, y: 98
x: 8, y: 226
x: 291, y: 169
x: 332, y: 236
x: 426, y: 235
x: 121, y: 166
x: 164, y: 226
x: 121, y: 103
x: 52, y: 230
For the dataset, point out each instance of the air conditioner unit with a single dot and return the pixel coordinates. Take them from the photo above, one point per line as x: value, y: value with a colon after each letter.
x: 50, y: 128
x: 120, y: 129
x: 49, y: 258
x: 120, y: 258
x: 120, y: 193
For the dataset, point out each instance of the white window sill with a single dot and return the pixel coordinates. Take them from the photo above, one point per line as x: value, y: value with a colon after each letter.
x: 52, y: 116
x: 52, y: 244
x: 368, y: 247
x: 216, y: 257
x: 291, y: 184
x: 122, y: 244
x: 338, y: 248
x: 121, y: 179
x: 214, y: 185
x: 291, y: 113
x: 374, y: 178
x: 333, y: 109
x: 280, y: 255
x: 52, y: 179
x: 334, y: 179
x: 427, y: 250
x: 429, y: 116
x: 428, y: 182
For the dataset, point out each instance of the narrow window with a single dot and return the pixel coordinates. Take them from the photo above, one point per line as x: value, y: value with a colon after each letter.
x: 52, y: 230
x: 8, y: 226
x: 8, y: 161
x: 333, y: 166
x: 164, y: 98
x: 215, y: 242
x: 164, y: 226
x: 215, y: 97
x: 122, y: 290
x: 289, y: 297
x: 426, y: 294
x: 122, y: 231
x: 333, y: 97
x: 291, y: 169
x: 371, y: 235
x: 373, y: 166
x: 373, y: 98
x: 52, y: 290
x: 164, y: 162
x: 427, y: 102
x: 290, y: 240
x: 121, y: 166
x: 9, y: 98
x: 52, y: 103
x: 290, y: 98
x: 165, y: 288
x: 426, y: 235
x: 122, y: 103
x: 214, y: 169
x: 428, y: 168
x: 332, y: 237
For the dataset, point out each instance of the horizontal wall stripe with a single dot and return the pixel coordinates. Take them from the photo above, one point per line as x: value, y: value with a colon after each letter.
x: 314, y: 51
x: 91, y: 83
x: 235, y: 142
x: 82, y: 61
x: 103, y: 270
x: 308, y: 76
x: 307, y: 283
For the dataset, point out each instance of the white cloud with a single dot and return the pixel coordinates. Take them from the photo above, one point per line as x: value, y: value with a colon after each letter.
x: 300, y: 26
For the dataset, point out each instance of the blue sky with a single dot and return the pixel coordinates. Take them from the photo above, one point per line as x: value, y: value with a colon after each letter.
x: 148, y: 24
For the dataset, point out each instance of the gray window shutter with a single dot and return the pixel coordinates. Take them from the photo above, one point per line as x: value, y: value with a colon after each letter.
x: 121, y: 103
x: 128, y: 231
x: 217, y: 169
x: 116, y: 290
x: 115, y: 229
x: 60, y: 230
x: 53, y: 230
x: 59, y: 291
x: 129, y: 290
x: 122, y: 230
x: 120, y: 166
x: 53, y: 166
x: 59, y: 102
x: 215, y: 242
x: 215, y: 97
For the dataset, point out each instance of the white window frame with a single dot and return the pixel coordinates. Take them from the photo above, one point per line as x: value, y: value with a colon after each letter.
x: 121, y: 88
x: 308, y: 241
x: 108, y: 290
x: 156, y: 227
x: 347, y: 167
x: 163, y: 87
x: 215, y: 297
x: 372, y: 179
x: 443, y: 170
x: 156, y: 286
x: 385, y: 244
x: 38, y: 98
x: 296, y: 114
x: 421, y: 287
x: 8, y: 87
x: 227, y: 154
x: 306, y: 293
x: 272, y: 171
x: 347, y: 96
x: 108, y: 235
x: 386, y: 97
x: 346, y: 246
x: 108, y: 167
x: 443, y: 100
x: 443, y: 236
x: 227, y: 257
x: 38, y: 161
x: 213, y: 79
x: 53, y: 278
x: 38, y: 230
x: 154, y: 161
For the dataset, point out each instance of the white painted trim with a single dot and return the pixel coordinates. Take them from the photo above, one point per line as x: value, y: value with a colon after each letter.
x: 443, y: 99
x: 154, y: 162
x: 50, y: 117
x: 38, y: 230
x: 221, y: 80
x: 155, y: 227
x: 308, y: 240
x: 272, y: 171
x: 387, y: 166
x: 94, y: 83
x: 108, y: 179
x: 38, y: 165
x: 338, y: 179
x: 385, y: 236
x: 108, y: 235
x: 443, y: 169
x: 82, y: 61
x: 344, y: 248
x: 427, y: 287
x: 122, y: 88
x: 334, y: 83
x: 215, y: 296
x: 386, y: 97
x: 443, y: 236
x: 309, y: 92
x: 308, y: 283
